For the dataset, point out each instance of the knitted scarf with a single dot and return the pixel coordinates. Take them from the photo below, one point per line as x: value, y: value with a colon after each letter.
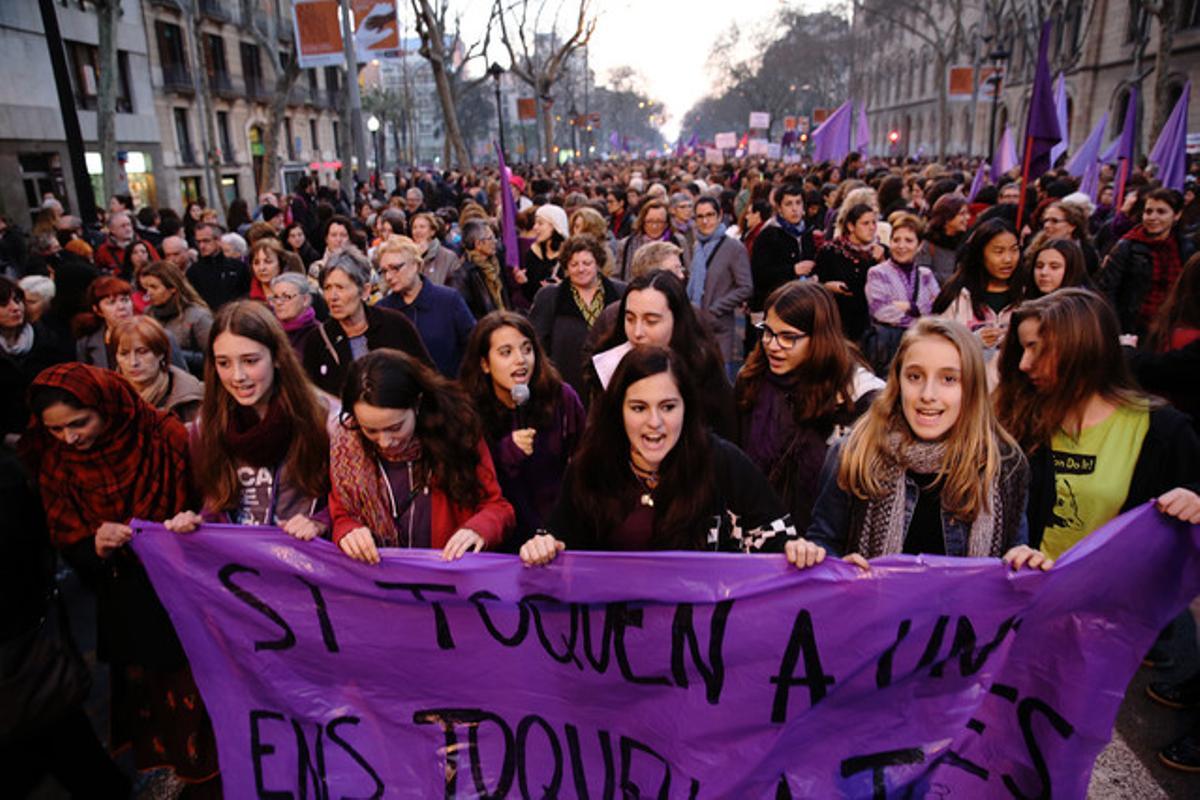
x: 21, y: 344
x: 260, y: 442
x: 795, y: 231
x: 360, y: 483
x: 1166, y: 267
x: 883, y: 522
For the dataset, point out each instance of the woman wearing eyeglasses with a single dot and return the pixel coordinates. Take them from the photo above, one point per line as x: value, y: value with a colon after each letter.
x: 409, y: 465
x: 1069, y: 222
x: 439, y: 312
x: 291, y: 298
x: 803, y: 386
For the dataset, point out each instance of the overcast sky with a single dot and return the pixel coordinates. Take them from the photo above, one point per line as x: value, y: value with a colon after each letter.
x: 667, y: 42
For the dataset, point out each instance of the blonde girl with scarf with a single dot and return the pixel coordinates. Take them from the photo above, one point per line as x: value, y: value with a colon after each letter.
x: 928, y: 469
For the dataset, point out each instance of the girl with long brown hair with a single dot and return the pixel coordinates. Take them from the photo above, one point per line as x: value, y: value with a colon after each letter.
x: 649, y: 475
x: 1097, y: 444
x: 927, y: 469
x: 532, y: 420
x: 408, y: 465
x: 260, y: 450
x: 803, y: 386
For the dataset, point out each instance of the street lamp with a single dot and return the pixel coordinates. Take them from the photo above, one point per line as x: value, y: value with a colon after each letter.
x: 574, y: 115
x: 373, y: 127
x: 998, y: 56
x: 495, y: 70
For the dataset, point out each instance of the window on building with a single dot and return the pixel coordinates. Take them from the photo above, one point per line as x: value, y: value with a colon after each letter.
x: 183, y: 137
x: 227, y: 154
x: 337, y: 138
x: 189, y: 189
x: 291, y: 143
x: 312, y: 135
x: 252, y: 70
x: 218, y: 67
x: 172, y: 55
x: 312, y: 80
x: 1135, y: 26
x: 333, y: 86
x: 1189, y: 14
x: 85, y: 77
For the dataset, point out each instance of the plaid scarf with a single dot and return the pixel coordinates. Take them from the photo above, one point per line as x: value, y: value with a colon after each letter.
x: 591, y: 311
x: 361, y: 485
x: 137, y: 468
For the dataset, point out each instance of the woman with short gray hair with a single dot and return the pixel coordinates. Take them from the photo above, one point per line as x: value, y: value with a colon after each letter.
x: 353, y: 328
x: 290, y: 297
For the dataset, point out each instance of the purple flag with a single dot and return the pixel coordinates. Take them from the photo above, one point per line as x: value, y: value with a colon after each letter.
x: 693, y: 142
x: 1122, y: 152
x: 1170, y: 151
x: 1089, y: 184
x: 977, y: 182
x: 665, y: 674
x: 679, y: 147
x: 614, y: 140
x: 831, y: 141
x: 1089, y: 151
x: 1041, y: 126
x: 1060, y: 113
x: 1006, y: 155
x: 508, y: 214
x: 862, y: 136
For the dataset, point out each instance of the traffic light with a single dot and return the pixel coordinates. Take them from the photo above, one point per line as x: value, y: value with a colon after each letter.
x: 893, y: 136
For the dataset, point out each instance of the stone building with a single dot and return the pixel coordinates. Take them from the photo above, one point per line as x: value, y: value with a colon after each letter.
x: 1094, y: 46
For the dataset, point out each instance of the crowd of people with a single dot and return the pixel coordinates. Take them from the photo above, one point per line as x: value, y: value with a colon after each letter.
x: 852, y: 360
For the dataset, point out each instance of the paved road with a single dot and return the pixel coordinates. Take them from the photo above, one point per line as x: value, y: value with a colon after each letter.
x: 1128, y: 769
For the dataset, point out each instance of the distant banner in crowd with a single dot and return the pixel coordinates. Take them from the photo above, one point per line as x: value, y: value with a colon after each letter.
x: 663, y: 675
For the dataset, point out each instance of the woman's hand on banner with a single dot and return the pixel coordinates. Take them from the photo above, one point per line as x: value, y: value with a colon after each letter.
x: 110, y: 536
x: 462, y: 542
x: 1025, y: 557
x: 1180, y: 503
x: 803, y: 553
x: 541, y: 549
x: 302, y: 528
x: 184, y: 522
x: 359, y: 544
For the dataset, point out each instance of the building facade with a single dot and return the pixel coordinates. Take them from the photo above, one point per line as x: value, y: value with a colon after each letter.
x: 1094, y: 45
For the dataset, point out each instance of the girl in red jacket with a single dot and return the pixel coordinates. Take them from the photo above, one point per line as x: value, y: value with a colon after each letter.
x: 408, y: 464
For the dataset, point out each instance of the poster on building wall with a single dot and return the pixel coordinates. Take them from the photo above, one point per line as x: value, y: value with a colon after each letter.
x: 319, y: 31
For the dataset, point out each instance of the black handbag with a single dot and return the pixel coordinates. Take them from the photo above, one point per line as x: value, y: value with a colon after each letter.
x: 880, y: 342
x: 42, y: 675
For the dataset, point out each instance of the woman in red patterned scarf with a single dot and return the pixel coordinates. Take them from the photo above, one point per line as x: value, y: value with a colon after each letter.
x: 104, y: 457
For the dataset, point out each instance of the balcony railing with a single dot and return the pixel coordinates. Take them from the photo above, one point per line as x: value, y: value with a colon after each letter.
x: 215, y: 9
x: 221, y: 83
x: 257, y: 89
x: 177, y: 78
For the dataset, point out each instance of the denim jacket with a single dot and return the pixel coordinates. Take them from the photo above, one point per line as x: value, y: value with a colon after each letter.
x: 831, y: 519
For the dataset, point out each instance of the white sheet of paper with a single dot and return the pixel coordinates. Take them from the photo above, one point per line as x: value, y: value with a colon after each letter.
x: 606, y: 362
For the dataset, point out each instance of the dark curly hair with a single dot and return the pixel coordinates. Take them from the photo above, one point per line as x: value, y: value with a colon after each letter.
x: 447, y: 426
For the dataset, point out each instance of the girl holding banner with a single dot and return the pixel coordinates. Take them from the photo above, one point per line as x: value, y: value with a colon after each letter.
x: 532, y: 420
x: 259, y: 448
x: 103, y: 457
x: 1097, y: 445
x: 927, y: 469
x: 803, y: 385
x: 409, y: 466
x: 650, y: 476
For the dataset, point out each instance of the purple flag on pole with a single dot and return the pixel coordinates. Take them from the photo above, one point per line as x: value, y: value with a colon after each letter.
x: 1170, y: 151
x: 1089, y: 184
x: 1122, y: 155
x: 693, y: 142
x: 977, y: 183
x: 831, y: 141
x: 1006, y: 155
x: 1060, y: 111
x: 614, y: 140
x: 1041, y: 127
x: 508, y: 214
x: 862, y: 136
x: 1089, y: 151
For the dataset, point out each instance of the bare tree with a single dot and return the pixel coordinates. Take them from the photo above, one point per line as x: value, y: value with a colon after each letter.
x: 109, y: 12
x: 521, y: 27
x: 263, y: 25
x: 431, y: 27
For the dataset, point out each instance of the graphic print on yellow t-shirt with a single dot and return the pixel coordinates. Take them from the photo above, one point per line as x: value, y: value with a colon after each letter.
x: 1092, y: 475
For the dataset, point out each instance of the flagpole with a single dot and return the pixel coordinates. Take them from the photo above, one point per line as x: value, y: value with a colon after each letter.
x: 1024, y: 184
x: 1122, y: 177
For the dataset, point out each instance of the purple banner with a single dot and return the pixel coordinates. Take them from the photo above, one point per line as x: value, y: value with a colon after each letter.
x: 663, y: 675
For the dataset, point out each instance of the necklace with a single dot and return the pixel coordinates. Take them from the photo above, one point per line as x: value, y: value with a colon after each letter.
x: 649, y: 482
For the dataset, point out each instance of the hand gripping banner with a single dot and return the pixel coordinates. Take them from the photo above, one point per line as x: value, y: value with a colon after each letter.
x: 663, y: 675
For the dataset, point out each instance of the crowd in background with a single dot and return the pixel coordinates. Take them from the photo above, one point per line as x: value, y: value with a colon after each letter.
x: 850, y: 360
